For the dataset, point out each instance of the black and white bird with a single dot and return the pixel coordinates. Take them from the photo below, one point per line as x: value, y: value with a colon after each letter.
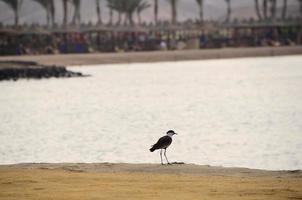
x: 163, y: 143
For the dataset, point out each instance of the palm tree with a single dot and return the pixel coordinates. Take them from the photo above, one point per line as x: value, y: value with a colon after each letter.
x: 77, y: 12
x: 200, y: 4
x: 98, y: 11
x: 118, y: 6
x: 127, y: 8
x: 48, y: 6
x: 228, y: 16
x: 130, y: 7
x: 141, y: 7
x: 114, y: 5
x: 258, y: 10
x: 173, y: 4
x: 15, y: 5
x: 155, y: 12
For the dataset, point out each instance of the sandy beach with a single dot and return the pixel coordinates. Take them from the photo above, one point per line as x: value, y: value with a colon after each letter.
x: 81, y: 181
x: 145, y: 181
x: 156, y: 56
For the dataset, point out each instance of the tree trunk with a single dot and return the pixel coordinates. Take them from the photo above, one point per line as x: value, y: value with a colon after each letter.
x: 119, y: 18
x: 130, y: 17
x: 258, y: 10
x: 16, y: 17
x: 48, y: 16
x: 65, y: 10
x: 273, y: 10
x: 284, y: 10
x: 228, y: 10
x: 126, y: 18
x: 77, y: 13
x: 299, y: 39
x: 98, y: 11
x: 201, y: 11
x: 174, y: 12
x: 52, y: 14
x: 110, y: 16
x: 17, y: 12
x: 300, y: 5
x: 139, y: 18
x: 73, y: 21
x: 265, y: 9
x: 155, y: 12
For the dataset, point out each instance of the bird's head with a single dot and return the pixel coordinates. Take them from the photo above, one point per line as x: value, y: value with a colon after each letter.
x: 171, y: 133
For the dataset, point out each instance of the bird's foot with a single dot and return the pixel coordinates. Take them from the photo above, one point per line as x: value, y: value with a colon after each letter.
x: 169, y: 163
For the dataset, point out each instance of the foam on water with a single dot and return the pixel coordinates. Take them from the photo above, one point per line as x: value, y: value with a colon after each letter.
x: 232, y: 112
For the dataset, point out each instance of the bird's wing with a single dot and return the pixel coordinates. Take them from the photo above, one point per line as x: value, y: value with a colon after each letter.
x: 163, y: 142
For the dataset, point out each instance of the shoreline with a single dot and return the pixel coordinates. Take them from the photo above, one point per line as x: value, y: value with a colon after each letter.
x: 175, y: 168
x: 80, y: 181
x: 154, y: 56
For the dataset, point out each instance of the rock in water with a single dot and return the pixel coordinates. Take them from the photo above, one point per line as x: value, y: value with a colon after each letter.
x: 14, y: 70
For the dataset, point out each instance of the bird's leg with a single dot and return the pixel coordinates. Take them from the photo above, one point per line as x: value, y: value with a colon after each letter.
x: 166, y: 157
x: 161, y: 157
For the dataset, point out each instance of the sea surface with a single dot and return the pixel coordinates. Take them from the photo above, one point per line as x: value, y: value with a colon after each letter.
x: 230, y: 112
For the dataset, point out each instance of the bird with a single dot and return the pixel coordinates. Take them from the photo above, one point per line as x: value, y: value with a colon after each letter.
x: 163, y: 143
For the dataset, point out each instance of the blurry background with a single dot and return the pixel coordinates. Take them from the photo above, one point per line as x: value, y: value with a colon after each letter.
x: 32, y: 12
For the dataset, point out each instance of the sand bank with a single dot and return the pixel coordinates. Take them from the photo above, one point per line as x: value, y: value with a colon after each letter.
x: 156, y: 56
x: 145, y: 181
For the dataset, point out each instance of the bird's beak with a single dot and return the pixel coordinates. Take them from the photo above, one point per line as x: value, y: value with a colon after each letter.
x: 175, y: 134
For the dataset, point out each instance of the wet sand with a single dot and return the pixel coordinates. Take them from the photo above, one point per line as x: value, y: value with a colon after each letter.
x: 156, y: 56
x: 145, y: 181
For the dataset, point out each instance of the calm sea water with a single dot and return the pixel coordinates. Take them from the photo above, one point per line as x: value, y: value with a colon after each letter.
x: 231, y: 112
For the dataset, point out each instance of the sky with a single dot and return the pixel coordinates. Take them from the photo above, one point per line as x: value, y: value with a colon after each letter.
x: 32, y: 12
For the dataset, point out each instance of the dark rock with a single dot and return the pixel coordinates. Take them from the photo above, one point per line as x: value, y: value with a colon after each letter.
x: 12, y: 70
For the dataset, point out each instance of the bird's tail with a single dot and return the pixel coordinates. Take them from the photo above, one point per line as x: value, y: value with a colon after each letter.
x: 152, y: 149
